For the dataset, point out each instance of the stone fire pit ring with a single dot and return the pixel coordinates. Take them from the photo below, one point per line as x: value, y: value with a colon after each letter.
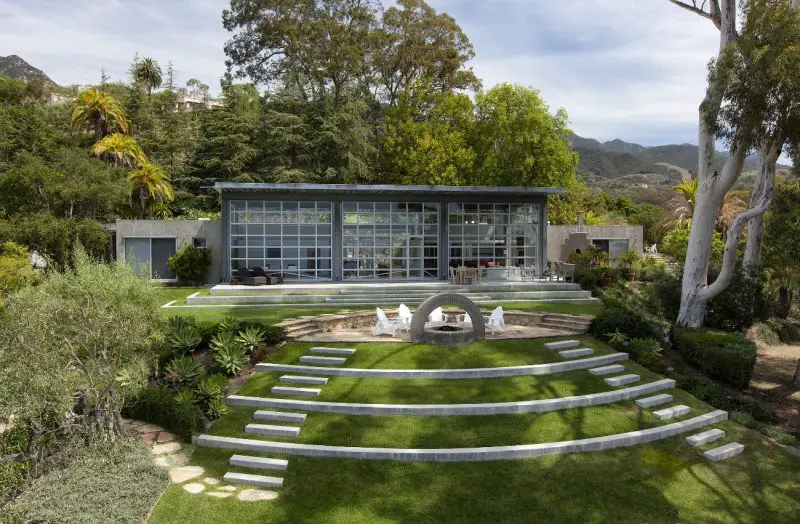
x: 448, y: 334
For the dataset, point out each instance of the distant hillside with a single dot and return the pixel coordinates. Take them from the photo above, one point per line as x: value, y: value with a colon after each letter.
x: 616, y: 164
x: 15, y: 67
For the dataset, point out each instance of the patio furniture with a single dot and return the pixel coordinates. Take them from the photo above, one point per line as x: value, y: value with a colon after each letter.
x: 464, y: 319
x: 249, y: 278
x: 235, y: 278
x: 272, y: 278
x: 528, y: 274
x: 455, y: 278
x: 565, y: 271
x: 403, y: 318
x: 496, y: 323
x: 384, y: 325
x: 438, y: 317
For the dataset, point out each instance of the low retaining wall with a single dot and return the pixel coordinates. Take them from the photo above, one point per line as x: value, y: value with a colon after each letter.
x: 620, y: 440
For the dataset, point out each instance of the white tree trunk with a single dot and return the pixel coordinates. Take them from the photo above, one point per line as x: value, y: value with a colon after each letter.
x: 769, y: 151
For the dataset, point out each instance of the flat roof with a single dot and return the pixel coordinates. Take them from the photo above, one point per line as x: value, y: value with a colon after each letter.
x: 387, y: 188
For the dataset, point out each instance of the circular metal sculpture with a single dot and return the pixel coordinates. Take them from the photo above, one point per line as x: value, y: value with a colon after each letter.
x: 448, y: 334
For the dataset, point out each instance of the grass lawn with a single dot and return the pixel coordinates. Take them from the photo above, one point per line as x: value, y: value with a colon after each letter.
x: 666, y: 481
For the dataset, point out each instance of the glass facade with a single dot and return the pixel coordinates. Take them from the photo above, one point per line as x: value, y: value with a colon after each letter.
x: 290, y: 237
x: 390, y: 240
x: 493, y: 235
x: 150, y: 255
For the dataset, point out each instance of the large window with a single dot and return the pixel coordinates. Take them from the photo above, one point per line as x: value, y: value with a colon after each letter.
x: 397, y: 240
x: 289, y: 237
x: 493, y: 235
x: 149, y: 256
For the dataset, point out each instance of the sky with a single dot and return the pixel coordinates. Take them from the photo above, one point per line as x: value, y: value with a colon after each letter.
x: 628, y: 69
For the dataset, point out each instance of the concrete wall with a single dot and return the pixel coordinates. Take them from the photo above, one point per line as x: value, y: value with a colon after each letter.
x: 557, y: 236
x: 183, y: 231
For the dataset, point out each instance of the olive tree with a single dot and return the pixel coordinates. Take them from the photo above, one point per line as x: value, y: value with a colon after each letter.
x: 75, y: 346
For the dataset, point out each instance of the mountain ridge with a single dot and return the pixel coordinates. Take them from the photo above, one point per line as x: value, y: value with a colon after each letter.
x: 16, y: 67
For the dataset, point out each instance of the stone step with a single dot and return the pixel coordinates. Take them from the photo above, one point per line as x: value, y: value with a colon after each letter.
x: 562, y: 344
x: 705, y: 437
x: 332, y: 351
x: 622, y: 380
x: 272, y: 431
x: 297, y: 379
x: 724, y: 452
x: 247, y: 479
x: 575, y: 353
x: 565, y: 323
x: 326, y: 361
x: 295, y: 392
x: 280, y: 416
x: 607, y: 370
x: 656, y: 400
x: 303, y: 332
x: 674, y: 411
x: 244, y: 461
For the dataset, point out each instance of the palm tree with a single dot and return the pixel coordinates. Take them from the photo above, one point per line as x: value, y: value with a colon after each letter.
x: 149, y: 183
x: 683, y: 214
x: 148, y: 72
x: 122, y: 149
x: 97, y: 111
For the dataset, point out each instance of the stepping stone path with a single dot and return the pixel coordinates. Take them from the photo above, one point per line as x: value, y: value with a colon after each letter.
x: 562, y: 344
x: 274, y: 431
x: 261, y: 481
x: 180, y: 475
x: 296, y: 379
x: 574, y: 353
x: 655, y: 400
x: 333, y: 351
x: 724, y: 452
x: 280, y: 416
x: 295, y: 392
x: 194, y: 488
x: 327, y: 361
x: 622, y: 380
x: 607, y: 370
x: 705, y: 437
x: 256, y: 495
x: 668, y: 413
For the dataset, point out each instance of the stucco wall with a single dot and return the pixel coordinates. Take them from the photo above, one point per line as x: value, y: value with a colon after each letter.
x: 558, y: 235
x: 183, y: 231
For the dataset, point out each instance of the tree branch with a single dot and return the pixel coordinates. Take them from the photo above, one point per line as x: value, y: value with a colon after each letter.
x: 694, y: 9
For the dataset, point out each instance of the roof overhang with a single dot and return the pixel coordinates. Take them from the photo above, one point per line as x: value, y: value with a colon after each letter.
x: 367, y: 189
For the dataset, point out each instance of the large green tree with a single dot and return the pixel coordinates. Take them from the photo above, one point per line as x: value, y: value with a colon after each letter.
x: 781, y: 246
x: 148, y: 72
x: 519, y: 142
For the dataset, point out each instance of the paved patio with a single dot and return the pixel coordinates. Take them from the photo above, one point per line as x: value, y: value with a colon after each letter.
x: 364, y: 334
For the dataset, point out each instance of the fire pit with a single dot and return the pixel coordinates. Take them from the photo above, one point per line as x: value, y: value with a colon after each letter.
x: 448, y: 334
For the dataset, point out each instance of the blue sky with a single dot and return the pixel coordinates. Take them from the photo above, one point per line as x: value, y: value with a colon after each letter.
x: 629, y: 69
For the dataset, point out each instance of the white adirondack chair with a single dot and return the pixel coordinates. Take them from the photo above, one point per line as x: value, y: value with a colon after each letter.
x: 384, y: 326
x: 496, y: 323
x: 403, y: 318
x: 437, y: 317
x: 464, y: 319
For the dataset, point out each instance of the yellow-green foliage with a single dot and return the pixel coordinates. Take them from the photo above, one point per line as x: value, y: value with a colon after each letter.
x: 16, y: 271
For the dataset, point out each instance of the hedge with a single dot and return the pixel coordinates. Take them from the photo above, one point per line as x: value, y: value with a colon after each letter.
x: 157, y: 405
x: 724, y: 356
x: 627, y: 322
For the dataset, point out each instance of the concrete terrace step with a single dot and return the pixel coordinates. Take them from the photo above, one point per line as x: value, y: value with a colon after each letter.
x: 330, y: 361
x: 724, y: 452
x: 562, y: 344
x: 473, y: 373
x: 273, y: 431
x: 295, y: 379
x: 332, y: 351
x: 623, y: 380
x: 575, y: 353
x: 565, y: 324
x: 668, y: 413
x: 705, y: 437
x: 292, y: 333
x: 656, y: 400
x: 322, y: 288
x: 620, y: 440
x: 607, y: 370
x: 488, y: 408
x: 280, y: 416
x: 244, y: 461
x: 247, y: 479
x: 295, y: 392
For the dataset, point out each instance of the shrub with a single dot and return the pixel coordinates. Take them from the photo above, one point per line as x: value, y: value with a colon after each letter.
x: 180, y: 322
x: 633, y: 325
x: 587, y: 278
x: 788, y: 332
x: 274, y: 334
x: 742, y: 304
x: 158, y: 405
x: 209, y: 394
x: 231, y: 324
x: 185, y: 339
x: 183, y: 370
x: 724, y: 356
x: 677, y: 241
x: 15, y: 268
x: 190, y: 264
x: 714, y: 395
x: 231, y: 358
x: 639, y: 347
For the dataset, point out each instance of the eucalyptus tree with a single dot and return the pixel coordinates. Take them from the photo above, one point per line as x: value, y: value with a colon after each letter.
x: 735, y: 112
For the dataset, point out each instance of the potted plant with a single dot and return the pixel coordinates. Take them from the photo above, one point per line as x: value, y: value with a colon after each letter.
x: 627, y: 263
x: 605, y: 275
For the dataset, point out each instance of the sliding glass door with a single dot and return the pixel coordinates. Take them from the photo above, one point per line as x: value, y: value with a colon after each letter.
x: 150, y: 256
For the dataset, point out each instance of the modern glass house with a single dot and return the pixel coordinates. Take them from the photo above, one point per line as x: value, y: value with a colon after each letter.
x: 341, y: 232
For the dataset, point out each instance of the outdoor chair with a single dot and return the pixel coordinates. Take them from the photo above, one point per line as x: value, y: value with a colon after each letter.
x: 528, y: 274
x: 566, y: 271
x: 403, y: 318
x: 384, y: 325
x: 496, y: 323
x: 250, y: 279
x: 464, y: 319
x: 272, y: 278
x: 438, y: 317
x: 454, y: 277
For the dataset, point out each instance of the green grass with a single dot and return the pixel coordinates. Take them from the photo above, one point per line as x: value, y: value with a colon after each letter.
x: 667, y: 481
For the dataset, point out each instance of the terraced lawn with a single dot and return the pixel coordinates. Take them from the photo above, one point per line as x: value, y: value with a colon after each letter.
x: 662, y: 482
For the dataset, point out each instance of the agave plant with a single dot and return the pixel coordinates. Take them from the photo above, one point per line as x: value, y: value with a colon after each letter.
x: 185, y: 397
x: 231, y: 324
x: 215, y: 409
x: 178, y: 322
x: 231, y: 358
x: 223, y: 339
x: 210, y: 388
x: 183, y: 370
x: 617, y: 338
x: 185, y: 339
x: 250, y: 337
